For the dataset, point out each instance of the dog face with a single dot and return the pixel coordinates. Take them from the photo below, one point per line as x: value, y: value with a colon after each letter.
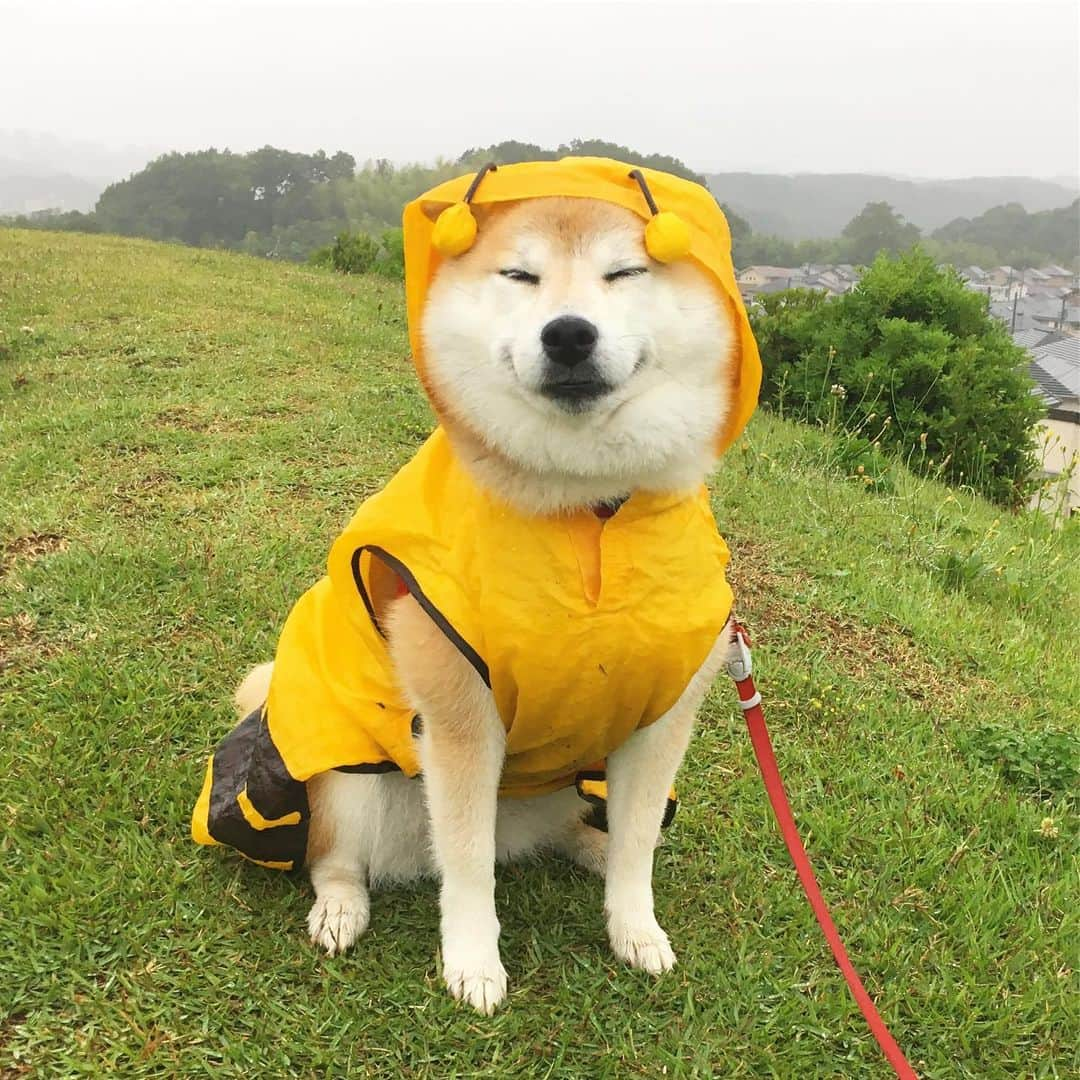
x: 561, y: 345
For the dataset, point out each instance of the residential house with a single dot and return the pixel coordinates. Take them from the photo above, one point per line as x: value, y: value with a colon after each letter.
x: 1029, y: 339
x: 1059, y: 277
x: 1036, y: 280
x: 1055, y: 367
x: 755, y: 276
x: 1038, y: 311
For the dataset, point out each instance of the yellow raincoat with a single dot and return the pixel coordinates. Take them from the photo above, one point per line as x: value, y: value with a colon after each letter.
x: 585, y: 628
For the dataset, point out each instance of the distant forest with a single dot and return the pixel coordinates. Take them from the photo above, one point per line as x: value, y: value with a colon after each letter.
x: 279, y: 204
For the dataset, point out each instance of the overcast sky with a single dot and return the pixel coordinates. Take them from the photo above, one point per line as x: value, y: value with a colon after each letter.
x: 908, y: 88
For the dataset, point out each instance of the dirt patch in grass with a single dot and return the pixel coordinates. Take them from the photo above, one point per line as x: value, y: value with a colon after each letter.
x: 29, y: 548
x: 760, y: 592
x: 181, y: 417
x: 184, y: 418
x: 141, y: 494
x: 8, y: 1026
x: 21, y: 643
x: 862, y: 651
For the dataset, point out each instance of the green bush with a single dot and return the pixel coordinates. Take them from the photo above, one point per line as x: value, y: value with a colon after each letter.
x: 391, y: 261
x: 353, y: 253
x: 322, y: 256
x: 913, y: 360
x: 358, y: 253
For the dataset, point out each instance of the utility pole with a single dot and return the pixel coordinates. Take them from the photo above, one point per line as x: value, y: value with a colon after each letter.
x: 1012, y: 327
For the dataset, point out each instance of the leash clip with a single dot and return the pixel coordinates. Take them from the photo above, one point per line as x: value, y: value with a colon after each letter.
x: 740, y: 667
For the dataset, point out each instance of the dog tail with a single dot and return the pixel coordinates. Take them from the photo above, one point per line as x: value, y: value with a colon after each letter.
x: 252, y: 691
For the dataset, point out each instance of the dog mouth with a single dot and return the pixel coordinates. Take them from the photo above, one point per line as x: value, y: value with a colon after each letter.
x: 578, y: 391
x: 575, y: 395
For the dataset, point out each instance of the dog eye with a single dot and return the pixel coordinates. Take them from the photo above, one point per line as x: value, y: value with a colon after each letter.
x: 625, y: 272
x: 523, y: 276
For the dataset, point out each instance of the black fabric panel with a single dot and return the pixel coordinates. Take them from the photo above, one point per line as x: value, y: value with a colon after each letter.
x: 247, y: 757
x: 375, y: 767
x: 361, y: 588
x: 597, y: 816
x: 433, y: 612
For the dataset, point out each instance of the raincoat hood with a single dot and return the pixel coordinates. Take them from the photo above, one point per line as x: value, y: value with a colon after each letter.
x: 683, y: 221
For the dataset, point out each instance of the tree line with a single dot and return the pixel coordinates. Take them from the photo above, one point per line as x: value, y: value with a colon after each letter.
x: 279, y: 204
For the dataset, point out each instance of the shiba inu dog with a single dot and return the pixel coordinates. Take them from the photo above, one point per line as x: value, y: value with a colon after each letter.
x: 537, y: 601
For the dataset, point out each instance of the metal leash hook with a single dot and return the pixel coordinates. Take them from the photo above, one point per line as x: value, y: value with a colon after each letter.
x: 740, y: 668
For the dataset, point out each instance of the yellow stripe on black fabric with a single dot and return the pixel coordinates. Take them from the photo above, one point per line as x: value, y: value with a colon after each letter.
x: 257, y: 821
x: 592, y: 787
x: 249, y: 774
x: 436, y: 616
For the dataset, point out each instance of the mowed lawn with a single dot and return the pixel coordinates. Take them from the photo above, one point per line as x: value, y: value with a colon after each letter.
x: 182, y: 433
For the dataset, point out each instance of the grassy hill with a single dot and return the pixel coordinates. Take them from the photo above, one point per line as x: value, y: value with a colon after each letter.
x: 181, y: 435
x: 808, y: 205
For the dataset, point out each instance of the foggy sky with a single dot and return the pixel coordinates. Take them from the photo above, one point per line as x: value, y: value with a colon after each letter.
x: 911, y: 89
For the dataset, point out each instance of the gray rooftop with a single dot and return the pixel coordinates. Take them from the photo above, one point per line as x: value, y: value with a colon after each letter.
x: 1029, y: 339
x: 1055, y: 367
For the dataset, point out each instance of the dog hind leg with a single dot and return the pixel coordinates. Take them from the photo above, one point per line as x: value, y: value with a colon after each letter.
x: 338, y: 853
x: 251, y: 693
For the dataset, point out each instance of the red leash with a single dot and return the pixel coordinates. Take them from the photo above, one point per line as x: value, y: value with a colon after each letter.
x: 750, y: 701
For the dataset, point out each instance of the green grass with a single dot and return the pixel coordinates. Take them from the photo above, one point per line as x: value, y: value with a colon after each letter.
x: 181, y: 435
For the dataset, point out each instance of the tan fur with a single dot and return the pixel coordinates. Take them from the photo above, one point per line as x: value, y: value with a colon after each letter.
x: 252, y: 691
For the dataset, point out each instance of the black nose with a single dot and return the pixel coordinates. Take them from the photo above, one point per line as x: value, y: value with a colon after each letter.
x: 568, y: 340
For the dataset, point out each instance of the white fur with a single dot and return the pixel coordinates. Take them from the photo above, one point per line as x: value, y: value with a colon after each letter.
x: 640, y: 774
x: 389, y: 835
x: 664, y: 338
x: 664, y: 343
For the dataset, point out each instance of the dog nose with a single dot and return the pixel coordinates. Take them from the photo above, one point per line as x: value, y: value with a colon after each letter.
x: 568, y: 340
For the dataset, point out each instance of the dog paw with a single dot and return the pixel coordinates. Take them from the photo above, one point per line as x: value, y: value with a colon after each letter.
x: 483, y: 989
x: 588, y: 848
x: 642, y: 945
x: 337, y: 919
x: 474, y: 973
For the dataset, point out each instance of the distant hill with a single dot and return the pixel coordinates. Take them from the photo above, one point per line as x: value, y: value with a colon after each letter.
x: 806, y: 205
x: 25, y: 193
x: 1016, y: 236
x: 39, y: 171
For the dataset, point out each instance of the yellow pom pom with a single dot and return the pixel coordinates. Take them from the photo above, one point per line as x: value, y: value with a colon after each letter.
x: 667, y: 237
x: 455, y: 230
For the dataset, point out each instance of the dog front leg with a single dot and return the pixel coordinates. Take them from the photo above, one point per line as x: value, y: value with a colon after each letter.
x: 461, y: 778
x: 461, y: 755
x: 640, y: 774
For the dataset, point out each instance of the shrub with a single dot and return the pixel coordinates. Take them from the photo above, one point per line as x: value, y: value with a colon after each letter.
x: 322, y: 256
x: 358, y: 253
x: 353, y: 253
x: 391, y: 261
x: 915, y: 358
